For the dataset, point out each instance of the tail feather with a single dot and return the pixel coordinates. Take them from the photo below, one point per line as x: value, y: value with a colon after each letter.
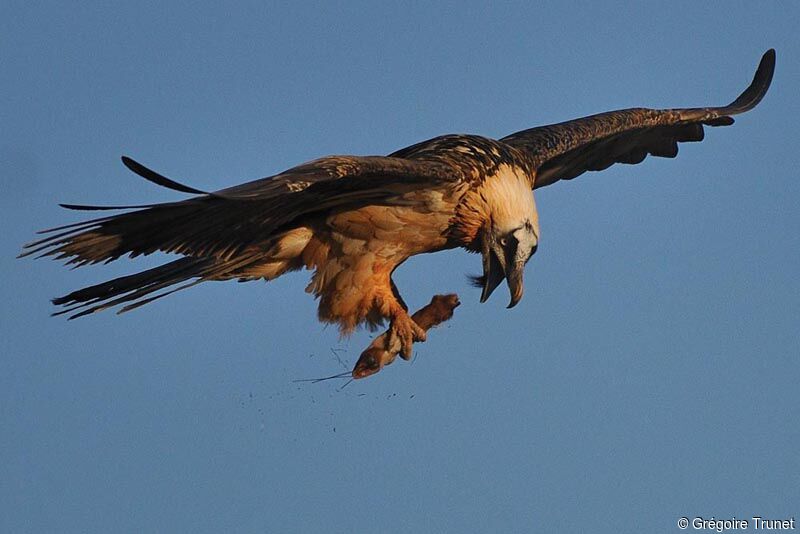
x: 132, y: 287
x: 142, y: 302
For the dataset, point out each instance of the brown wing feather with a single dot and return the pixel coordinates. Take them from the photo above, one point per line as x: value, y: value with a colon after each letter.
x: 568, y: 149
x: 224, y: 223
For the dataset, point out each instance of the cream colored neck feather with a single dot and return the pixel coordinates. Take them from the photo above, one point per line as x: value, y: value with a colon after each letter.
x: 503, y: 202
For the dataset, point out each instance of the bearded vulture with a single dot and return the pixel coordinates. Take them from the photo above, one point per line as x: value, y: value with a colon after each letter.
x: 353, y: 220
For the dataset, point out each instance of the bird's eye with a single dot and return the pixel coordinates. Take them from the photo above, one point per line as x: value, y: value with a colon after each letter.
x: 503, y: 241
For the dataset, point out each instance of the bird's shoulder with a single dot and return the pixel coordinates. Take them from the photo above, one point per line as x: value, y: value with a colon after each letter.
x: 477, y: 157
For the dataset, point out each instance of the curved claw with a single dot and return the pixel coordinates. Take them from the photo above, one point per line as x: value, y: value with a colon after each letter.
x: 404, y: 332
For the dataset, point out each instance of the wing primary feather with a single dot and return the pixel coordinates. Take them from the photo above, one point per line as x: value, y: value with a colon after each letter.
x: 751, y: 96
x: 88, y: 207
x: 75, y: 225
x: 159, y: 179
x: 746, y: 101
x: 41, y: 244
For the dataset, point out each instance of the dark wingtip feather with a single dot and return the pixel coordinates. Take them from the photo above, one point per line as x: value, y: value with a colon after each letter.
x: 758, y: 87
x: 88, y: 207
x: 158, y: 179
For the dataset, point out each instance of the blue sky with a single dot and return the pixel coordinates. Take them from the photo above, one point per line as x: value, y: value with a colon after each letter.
x: 649, y: 373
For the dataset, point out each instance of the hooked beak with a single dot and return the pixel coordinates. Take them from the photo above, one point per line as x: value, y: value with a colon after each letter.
x: 514, y: 279
x: 493, y: 274
x: 496, y: 269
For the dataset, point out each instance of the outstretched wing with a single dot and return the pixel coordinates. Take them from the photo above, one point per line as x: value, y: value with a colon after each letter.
x: 224, y: 223
x: 568, y: 149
